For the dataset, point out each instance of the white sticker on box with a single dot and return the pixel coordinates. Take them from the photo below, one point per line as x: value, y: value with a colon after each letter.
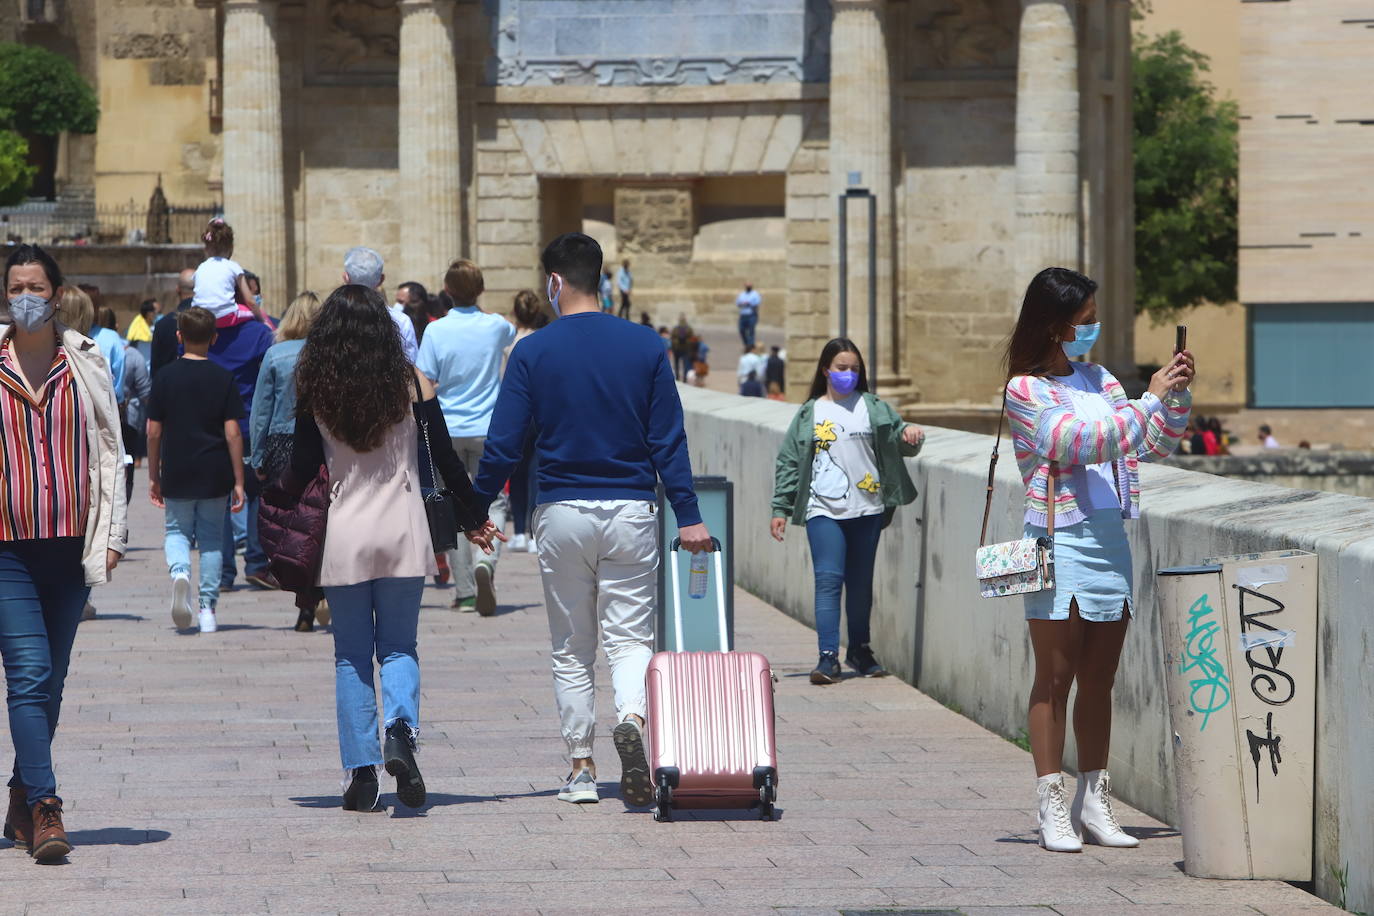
x: 1254, y: 577
x: 1267, y: 639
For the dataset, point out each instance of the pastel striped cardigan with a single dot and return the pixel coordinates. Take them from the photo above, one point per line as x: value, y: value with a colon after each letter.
x: 1044, y: 429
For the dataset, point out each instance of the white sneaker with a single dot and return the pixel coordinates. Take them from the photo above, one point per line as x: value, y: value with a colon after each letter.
x: 580, y: 789
x: 519, y: 543
x: 207, y: 620
x: 534, y: 546
x: 181, y: 602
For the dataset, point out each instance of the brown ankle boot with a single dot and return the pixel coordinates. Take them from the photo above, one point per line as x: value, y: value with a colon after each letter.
x: 49, y: 842
x: 19, y: 819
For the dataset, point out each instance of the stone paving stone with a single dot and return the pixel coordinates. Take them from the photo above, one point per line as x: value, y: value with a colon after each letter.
x: 201, y: 775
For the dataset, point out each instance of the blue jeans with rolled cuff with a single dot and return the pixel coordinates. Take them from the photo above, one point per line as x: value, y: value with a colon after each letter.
x: 843, y: 552
x: 199, y: 521
x: 42, y: 593
x: 376, y: 618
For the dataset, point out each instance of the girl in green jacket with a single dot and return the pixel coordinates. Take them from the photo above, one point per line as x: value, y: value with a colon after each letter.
x: 840, y: 473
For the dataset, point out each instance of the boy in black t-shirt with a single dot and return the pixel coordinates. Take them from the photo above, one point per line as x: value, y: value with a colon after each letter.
x: 194, y: 409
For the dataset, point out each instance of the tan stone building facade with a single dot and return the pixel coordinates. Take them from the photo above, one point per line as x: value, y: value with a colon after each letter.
x: 706, y: 142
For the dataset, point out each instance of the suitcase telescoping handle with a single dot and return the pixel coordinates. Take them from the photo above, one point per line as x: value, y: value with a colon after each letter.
x: 676, y: 590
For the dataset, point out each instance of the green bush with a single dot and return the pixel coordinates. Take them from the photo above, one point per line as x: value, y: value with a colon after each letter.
x: 15, y: 172
x: 41, y: 93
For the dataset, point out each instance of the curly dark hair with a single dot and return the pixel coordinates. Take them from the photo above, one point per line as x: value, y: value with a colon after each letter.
x: 352, y: 375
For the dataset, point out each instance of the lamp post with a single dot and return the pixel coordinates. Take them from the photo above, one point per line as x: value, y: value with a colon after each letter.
x: 853, y: 192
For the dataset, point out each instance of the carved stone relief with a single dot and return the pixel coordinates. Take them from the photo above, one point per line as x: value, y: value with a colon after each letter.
x: 355, y: 41
x: 962, y: 35
x: 649, y: 71
x: 662, y: 43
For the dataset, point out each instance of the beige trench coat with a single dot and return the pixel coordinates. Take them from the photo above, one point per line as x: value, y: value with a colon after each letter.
x: 106, y: 512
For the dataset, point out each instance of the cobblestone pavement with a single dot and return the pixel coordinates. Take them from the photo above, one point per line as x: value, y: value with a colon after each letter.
x: 201, y: 776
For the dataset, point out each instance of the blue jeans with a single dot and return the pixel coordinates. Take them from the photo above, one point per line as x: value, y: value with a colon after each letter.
x: 197, y: 519
x: 747, y: 323
x: 254, y: 558
x: 380, y: 618
x: 42, y: 592
x: 842, y: 553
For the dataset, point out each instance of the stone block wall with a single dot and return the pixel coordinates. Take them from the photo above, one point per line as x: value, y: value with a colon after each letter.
x: 508, y: 213
x: 341, y: 180
x: 809, y: 306
x: 956, y: 288
x: 154, y: 65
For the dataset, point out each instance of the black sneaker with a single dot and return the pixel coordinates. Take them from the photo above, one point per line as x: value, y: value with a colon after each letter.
x: 361, y: 792
x: 399, y: 755
x: 861, y: 659
x: 827, y: 669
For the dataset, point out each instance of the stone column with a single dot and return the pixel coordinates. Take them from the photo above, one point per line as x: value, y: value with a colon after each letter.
x: 1047, y: 141
x: 861, y: 141
x: 431, y: 179
x: 254, y: 187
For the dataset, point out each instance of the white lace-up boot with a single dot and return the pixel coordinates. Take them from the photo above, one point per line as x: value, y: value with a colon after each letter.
x: 1093, y: 814
x: 1056, y: 826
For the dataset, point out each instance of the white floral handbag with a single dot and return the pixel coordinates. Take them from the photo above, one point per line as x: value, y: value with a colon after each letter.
x: 1015, y: 567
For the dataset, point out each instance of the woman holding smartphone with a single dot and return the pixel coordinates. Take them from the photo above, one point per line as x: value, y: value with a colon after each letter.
x: 1071, y: 420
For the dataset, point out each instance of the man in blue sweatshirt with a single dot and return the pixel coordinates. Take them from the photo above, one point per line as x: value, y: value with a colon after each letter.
x: 602, y: 396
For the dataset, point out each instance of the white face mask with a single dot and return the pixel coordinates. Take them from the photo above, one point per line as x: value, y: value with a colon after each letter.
x: 31, y: 311
x: 553, y: 297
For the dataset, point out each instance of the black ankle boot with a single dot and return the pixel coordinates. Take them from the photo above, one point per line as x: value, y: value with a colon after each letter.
x: 399, y: 755
x: 362, y: 791
x: 305, y: 621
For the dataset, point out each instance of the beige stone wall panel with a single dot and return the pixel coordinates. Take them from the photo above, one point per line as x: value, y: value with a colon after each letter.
x: 722, y: 132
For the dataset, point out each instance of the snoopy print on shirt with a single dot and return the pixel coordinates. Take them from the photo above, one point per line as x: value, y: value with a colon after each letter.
x: 844, y: 470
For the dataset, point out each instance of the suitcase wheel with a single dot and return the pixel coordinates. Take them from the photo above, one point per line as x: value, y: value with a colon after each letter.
x: 767, y: 795
x: 663, y: 803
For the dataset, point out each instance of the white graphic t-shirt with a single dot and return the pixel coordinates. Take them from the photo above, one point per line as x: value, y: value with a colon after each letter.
x: 844, y: 469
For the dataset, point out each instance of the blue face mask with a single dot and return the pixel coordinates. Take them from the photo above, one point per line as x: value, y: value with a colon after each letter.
x: 553, y: 297
x: 844, y: 382
x: 1085, y: 336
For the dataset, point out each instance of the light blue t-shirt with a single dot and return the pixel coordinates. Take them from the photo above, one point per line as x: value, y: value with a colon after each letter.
x: 461, y: 353
x: 112, y: 348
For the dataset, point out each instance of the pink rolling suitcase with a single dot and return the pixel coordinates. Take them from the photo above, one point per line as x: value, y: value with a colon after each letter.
x: 711, y: 739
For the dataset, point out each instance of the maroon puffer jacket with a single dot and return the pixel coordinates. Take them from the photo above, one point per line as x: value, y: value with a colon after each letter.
x: 291, y: 531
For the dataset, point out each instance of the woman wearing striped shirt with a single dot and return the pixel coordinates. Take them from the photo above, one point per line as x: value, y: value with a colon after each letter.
x: 62, y: 525
x: 1072, y: 422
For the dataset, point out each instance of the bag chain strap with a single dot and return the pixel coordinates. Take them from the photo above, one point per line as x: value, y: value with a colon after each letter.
x: 992, y: 470
x: 424, y: 433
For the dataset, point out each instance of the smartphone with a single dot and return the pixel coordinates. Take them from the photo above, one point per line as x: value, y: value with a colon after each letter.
x: 1181, y: 339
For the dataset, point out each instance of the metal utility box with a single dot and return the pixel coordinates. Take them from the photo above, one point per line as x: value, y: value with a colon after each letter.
x: 1240, y: 654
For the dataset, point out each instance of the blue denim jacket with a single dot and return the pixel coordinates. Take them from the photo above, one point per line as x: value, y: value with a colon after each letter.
x: 274, y: 399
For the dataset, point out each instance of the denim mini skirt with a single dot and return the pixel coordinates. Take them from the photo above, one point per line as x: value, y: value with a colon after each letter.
x: 1092, y: 562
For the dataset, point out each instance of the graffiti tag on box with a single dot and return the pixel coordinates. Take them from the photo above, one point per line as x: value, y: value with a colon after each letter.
x: 1210, y: 689
x: 1264, y: 644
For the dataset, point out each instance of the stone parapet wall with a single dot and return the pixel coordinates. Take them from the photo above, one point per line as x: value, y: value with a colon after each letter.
x: 931, y: 627
x: 1351, y: 473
